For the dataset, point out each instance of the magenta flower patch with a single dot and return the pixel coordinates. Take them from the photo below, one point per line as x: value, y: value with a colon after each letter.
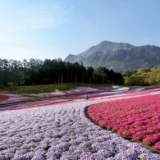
x: 137, y: 119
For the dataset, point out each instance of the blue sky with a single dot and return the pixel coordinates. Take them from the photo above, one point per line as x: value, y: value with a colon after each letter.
x: 55, y: 28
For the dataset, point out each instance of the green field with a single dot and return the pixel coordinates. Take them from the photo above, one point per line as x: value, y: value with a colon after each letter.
x: 44, y: 88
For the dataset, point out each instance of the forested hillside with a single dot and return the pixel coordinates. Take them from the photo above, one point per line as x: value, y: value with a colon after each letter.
x: 143, y: 77
x: 35, y: 71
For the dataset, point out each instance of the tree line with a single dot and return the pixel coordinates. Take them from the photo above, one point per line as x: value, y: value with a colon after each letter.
x: 35, y: 71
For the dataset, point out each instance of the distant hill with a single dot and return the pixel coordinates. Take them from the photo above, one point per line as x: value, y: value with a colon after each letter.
x: 121, y: 57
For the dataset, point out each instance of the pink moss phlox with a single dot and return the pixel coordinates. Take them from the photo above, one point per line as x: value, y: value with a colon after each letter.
x: 134, y: 118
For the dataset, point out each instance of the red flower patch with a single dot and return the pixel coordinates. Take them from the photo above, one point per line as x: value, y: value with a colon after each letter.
x: 3, y: 97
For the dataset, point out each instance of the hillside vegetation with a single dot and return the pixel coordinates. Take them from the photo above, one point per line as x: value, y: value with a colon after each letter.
x: 143, y: 77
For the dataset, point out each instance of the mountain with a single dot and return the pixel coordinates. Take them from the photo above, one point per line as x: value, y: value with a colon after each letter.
x: 121, y: 57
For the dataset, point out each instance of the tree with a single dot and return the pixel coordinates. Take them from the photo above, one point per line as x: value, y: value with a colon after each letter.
x: 90, y: 71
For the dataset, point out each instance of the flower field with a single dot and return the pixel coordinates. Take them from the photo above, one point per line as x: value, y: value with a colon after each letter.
x: 62, y: 132
x: 137, y: 118
x: 8, y: 98
x: 51, y: 131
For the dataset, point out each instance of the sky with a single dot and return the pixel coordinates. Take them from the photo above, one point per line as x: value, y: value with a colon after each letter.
x: 51, y: 29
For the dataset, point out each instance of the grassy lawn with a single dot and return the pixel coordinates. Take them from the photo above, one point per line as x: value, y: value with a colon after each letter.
x: 44, y: 88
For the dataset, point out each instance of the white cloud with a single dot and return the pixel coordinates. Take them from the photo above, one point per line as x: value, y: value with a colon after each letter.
x: 33, y: 17
x: 41, y: 18
x: 21, y: 25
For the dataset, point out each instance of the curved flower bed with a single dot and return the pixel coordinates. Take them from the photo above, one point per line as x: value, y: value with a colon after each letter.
x: 137, y: 119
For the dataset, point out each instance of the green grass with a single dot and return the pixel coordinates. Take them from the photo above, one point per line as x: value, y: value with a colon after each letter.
x: 44, y: 88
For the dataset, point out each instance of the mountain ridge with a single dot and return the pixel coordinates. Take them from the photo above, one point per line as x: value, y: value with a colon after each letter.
x: 121, y: 57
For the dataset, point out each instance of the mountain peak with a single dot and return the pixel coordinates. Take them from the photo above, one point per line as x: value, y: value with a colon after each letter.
x: 120, y: 57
